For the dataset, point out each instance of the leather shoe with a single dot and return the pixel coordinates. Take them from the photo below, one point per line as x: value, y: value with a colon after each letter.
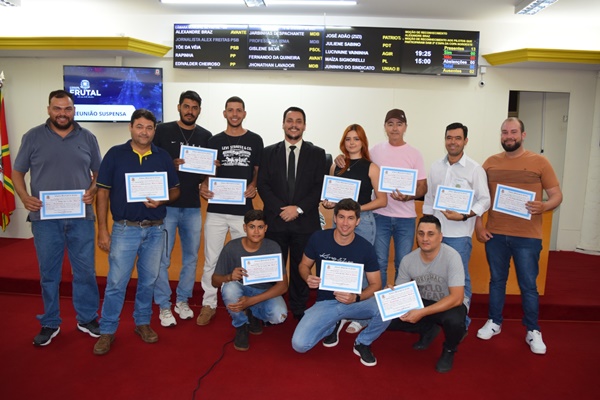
x: 146, y: 333
x: 102, y: 346
x: 427, y: 338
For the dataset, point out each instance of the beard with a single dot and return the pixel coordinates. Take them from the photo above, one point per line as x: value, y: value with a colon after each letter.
x: 64, y: 126
x: 186, y: 122
x: 293, y: 137
x: 511, y: 148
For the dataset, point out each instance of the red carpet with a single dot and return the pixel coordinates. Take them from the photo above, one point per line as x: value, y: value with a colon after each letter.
x: 502, y: 368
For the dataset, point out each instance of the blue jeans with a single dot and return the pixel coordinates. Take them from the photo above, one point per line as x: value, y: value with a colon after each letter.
x: 273, y: 310
x: 463, y: 245
x: 127, y: 242
x: 189, y: 223
x: 403, y: 232
x: 319, y: 322
x: 50, y: 238
x: 526, y: 255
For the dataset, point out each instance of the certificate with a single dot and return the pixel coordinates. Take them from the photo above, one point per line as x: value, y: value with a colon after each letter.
x: 57, y: 204
x: 341, y: 276
x: 511, y: 201
x: 198, y: 160
x: 262, y: 269
x: 143, y: 185
x: 393, y: 303
x: 455, y: 199
x: 402, y: 179
x: 336, y: 189
x: 227, y: 191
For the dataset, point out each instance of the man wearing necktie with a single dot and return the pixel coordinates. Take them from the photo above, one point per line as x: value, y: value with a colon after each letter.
x: 289, y: 183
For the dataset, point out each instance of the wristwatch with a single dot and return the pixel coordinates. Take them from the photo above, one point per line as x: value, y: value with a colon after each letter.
x: 465, y: 217
x: 357, y: 298
x: 300, y: 211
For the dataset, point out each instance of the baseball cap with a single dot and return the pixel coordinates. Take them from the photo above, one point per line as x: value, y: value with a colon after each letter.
x: 395, y: 113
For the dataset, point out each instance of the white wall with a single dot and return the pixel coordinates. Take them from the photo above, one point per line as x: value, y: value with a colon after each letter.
x: 331, y: 100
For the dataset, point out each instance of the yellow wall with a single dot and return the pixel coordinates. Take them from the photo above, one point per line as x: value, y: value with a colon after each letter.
x: 478, y: 267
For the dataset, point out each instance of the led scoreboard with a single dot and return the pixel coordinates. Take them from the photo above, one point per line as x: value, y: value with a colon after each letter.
x: 319, y: 48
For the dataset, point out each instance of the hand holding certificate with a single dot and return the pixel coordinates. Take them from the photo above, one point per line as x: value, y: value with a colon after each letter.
x: 58, y: 204
x: 262, y: 269
x: 393, y: 303
x: 454, y: 199
x: 401, y: 179
x: 336, y: 189
x: 341, y: 276
x: 227, y: 191
x: 513, y: 201
x: 146, y: 185
x: 198, y: 160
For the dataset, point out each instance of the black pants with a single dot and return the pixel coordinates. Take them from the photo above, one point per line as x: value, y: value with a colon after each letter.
x: 452, y: 322
x: 293, y: 243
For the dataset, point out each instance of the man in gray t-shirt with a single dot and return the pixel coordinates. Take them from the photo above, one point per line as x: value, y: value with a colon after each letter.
x: 250, y: 305
x: 438, y: 271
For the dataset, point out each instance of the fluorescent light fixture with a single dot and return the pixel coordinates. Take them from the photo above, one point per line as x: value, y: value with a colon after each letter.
x: 529, y: 7
x: 255, y: 3
x: 203, y: 2
x: 259, y: 3
x: 10, y: 3
x: 310, y: 2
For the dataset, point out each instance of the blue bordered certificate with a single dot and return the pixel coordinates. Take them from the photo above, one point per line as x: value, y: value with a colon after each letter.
x: 510, y: 200
x: 227, y: 191
x: 198, y: 160
x: 455, y: 199
x: 402, y: 179
x: 58, y: 204
x: 262, y: 269
x: 393, y: 303
x: 336, y: 188
x: 341, y: 276
x: 143, y: 185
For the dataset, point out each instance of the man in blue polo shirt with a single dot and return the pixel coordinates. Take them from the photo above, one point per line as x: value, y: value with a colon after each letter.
x: 138, y: 229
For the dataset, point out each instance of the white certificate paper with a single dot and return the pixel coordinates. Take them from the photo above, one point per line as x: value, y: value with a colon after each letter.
x: 142, y: 185
x: 262, y: 269
x: 341, y: 276
x: 402, y: 179
x: 393, y: 303
x: 58, y: 204
x: 198, y: 160
x: 227, y: 191
x: 455, y: 199
x: 511, y: 201
x: 336, y: 189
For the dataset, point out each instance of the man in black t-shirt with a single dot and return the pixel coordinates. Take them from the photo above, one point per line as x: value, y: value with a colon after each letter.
x: 184, y: 214
x: 239, y: 153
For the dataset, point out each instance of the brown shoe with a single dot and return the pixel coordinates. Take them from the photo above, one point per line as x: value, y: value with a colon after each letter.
x: 146, y: 333
x: 206, y: 314
x: 102, y: 346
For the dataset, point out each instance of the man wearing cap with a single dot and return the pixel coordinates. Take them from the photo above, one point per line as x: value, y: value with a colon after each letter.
x: 397, y: 219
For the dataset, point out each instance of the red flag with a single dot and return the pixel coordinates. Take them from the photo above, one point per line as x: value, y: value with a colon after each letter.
x: 7, y: 190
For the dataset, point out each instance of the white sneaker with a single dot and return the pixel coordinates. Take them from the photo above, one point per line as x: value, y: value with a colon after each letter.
x: 488, y: 330
x: 166, y: 317
x: 183, y: 309
x: 535, y: 342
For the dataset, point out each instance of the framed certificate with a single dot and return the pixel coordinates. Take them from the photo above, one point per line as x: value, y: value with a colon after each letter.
x: 58, y: 204
x: 143, y: 185
x: 455, y: 199
x: 393, y: 303
x: 512, y: 201
x: 402, y: 179
x: 198, y: 160
x: 341, y: 276
x: 336, y: 188
x: 262, y: 269
x: 227, y: 191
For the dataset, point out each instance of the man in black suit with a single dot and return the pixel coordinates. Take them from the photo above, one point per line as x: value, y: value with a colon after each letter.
x: 290, y: 179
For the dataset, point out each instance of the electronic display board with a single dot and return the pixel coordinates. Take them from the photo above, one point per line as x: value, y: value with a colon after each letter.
x: 285, y: 47
x: 440, y: 52
x: 362, y: 49
x: 210, y: 46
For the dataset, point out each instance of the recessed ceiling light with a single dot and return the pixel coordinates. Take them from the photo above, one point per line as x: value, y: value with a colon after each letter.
x: 529, y: 7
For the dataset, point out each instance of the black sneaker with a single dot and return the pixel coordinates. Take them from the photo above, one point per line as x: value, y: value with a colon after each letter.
x: 366, y: 356
x: 241, y: 338
x: 91, y: 328
x: 444, y: 364
x: 45, y: 336
x: 333, y: 339
x: 255, y: 327
x: 427, y: 338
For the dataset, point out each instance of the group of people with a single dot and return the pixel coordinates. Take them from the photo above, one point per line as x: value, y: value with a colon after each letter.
x: 288, y: 176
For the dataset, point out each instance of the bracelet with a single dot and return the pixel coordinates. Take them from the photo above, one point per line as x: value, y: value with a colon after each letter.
x: 357, y: 298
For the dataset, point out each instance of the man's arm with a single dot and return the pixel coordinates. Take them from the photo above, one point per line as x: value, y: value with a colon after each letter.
x: 102, y: 215
x: 90, y: 193
x: 419, y: 192
x: 454, y: 299
x: 304, y: 268
x: 31, y: 203
x: 266, y: 179
x: 374, y: 279
x: 251, y: 189
x: 555, y: 197
x: 244, y: 302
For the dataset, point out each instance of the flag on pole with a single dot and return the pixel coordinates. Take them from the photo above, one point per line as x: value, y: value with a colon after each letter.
x: 7, y: 190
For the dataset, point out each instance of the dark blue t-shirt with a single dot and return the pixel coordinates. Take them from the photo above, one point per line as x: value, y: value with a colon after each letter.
x: 322, y: 246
